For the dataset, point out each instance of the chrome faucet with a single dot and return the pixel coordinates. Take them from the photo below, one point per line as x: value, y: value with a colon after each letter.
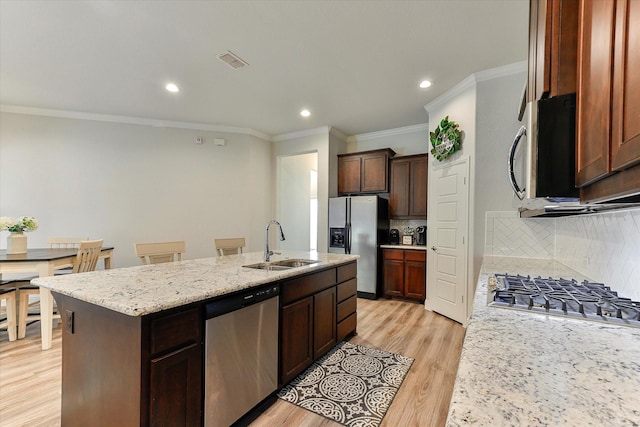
x: 267, y: 252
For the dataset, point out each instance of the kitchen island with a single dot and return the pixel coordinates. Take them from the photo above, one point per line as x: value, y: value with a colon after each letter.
x: 530, y: 369
x: 133, y: 337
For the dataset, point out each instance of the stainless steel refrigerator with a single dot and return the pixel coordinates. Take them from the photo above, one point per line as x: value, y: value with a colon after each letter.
x: 358, y: 225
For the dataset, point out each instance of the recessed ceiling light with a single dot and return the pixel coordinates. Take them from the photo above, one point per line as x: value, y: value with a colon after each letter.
x: 425, y: 84
x: 305, y: 113
x: 171, y: 87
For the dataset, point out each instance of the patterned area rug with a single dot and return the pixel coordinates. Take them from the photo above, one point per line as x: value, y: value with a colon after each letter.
x: 352, y: 384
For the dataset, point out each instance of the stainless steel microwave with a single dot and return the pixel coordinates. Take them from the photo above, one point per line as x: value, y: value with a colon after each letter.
x: 542, y: 156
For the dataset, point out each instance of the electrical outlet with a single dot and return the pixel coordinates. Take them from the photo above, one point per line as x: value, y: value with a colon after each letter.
x: 68, y: 321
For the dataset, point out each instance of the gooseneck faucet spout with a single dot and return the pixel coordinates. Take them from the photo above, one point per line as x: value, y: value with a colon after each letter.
x: 267, y: 252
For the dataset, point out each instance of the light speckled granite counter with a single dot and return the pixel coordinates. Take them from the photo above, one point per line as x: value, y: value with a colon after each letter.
x: 530, y: 369
x: 145, y: 289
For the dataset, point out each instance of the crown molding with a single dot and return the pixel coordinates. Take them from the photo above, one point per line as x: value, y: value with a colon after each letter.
x: 505, y: 70
x: 471, y: 80
x: 389, y: 132
x: 131, y: 120
x: 338, y: 133
x: 323, y: 130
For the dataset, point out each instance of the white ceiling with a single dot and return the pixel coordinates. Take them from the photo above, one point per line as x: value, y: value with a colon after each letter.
x: 355, y: 65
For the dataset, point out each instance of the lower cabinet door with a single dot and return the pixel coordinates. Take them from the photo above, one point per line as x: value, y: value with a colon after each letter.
x: 176, y: 388
x: 324, y: 321
x: 393, y: 277
x: 296, y: 352
x: 415, y: 279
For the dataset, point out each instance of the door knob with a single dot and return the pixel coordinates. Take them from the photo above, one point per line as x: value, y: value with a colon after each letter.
x: 434, y: 249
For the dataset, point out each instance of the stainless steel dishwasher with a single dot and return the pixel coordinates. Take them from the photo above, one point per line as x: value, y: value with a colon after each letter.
x: 241, y: 354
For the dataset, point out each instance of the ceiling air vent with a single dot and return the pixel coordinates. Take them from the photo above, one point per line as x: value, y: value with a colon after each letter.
x: 232, y: 60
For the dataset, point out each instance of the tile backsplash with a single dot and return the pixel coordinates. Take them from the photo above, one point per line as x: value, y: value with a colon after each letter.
x: 604, y: 246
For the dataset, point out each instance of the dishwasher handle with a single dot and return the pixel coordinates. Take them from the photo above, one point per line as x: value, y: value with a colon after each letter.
x: 229, y: 303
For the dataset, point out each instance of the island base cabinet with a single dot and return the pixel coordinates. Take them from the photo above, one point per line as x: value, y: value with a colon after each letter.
x: 324, y: 314
x: 120, y: 370
x: 176, y: 388
x: 101, y: 366
x: 296, y: 352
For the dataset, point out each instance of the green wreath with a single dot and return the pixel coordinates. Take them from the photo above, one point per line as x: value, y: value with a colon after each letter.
x: 446, y: 139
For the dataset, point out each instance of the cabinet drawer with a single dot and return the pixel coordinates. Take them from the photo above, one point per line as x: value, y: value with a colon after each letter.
x: 294, y: 289
x: 393, y: 254
x: 347, y: 289
x: 415, y: 255
x: 176, y: 329
x: 346, y: 327
x: 346, y: 272
x: 347, y: 307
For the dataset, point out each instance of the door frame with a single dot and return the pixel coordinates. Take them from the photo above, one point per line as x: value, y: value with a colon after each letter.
x: 468, y: 290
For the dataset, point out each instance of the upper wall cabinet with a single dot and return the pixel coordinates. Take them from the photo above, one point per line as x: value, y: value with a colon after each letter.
x: 365, y: 172
x: 408, y: 188
x: 608, y: 110
x: 553, y: 29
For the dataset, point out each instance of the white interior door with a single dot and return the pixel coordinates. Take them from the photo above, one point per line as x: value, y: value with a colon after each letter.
x: 447, y: 239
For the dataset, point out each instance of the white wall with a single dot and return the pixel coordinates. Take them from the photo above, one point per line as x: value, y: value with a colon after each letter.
x: 497, y: 102
x: 314, y: 140
x: 294, y: 189
x: 128, y: 183
x: 404, y: 141
x: 485, y: 106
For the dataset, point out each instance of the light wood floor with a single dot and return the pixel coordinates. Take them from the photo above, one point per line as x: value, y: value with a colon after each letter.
x: 30, y: 378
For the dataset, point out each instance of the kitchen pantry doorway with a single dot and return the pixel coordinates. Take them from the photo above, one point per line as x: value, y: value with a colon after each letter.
x: 298, y: 201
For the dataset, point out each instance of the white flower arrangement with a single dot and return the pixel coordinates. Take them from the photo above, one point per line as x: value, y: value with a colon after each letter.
x: 18, y: 225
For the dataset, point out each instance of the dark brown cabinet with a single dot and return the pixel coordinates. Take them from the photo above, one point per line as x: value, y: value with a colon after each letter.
x: 316, y: 313
x: 347, y: 301
x: 553, y: 30
x: 365, y: 172
x: 296, y: 350
x: 324, y: 321
x: 408, y: 188
x: 608, y: 129
x: 144, y: 370
x: 175, y: 388
x: 307, y: 321
x: 404, y: 273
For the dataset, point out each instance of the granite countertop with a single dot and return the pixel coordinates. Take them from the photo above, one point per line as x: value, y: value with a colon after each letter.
x: 529, y: 369
x: 145, y: 289
x: 413, y: 247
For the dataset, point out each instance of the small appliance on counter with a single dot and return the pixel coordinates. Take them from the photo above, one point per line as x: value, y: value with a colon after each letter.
x: 421, y: 235
x: 394, y: 236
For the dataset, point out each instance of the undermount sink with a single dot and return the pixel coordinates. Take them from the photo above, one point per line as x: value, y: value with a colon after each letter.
x: 295, y: 262
x: 285, y: 264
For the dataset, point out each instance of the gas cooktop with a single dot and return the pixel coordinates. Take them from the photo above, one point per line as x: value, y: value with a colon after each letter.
x: 565, y: 297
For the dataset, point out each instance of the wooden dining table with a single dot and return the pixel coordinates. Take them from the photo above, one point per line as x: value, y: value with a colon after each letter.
x: 44, y: 262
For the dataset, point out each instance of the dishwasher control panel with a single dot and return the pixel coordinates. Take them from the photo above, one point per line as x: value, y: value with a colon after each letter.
x: 236, y: 301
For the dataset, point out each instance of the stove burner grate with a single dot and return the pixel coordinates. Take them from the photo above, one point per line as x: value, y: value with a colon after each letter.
x: 566, y: 297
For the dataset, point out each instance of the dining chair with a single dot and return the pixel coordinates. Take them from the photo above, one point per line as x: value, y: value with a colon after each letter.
x: 159, y: 252
x: 8, y: 297
x: 65, y: 243
x: 230, y: 246
x: 86, y: 260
